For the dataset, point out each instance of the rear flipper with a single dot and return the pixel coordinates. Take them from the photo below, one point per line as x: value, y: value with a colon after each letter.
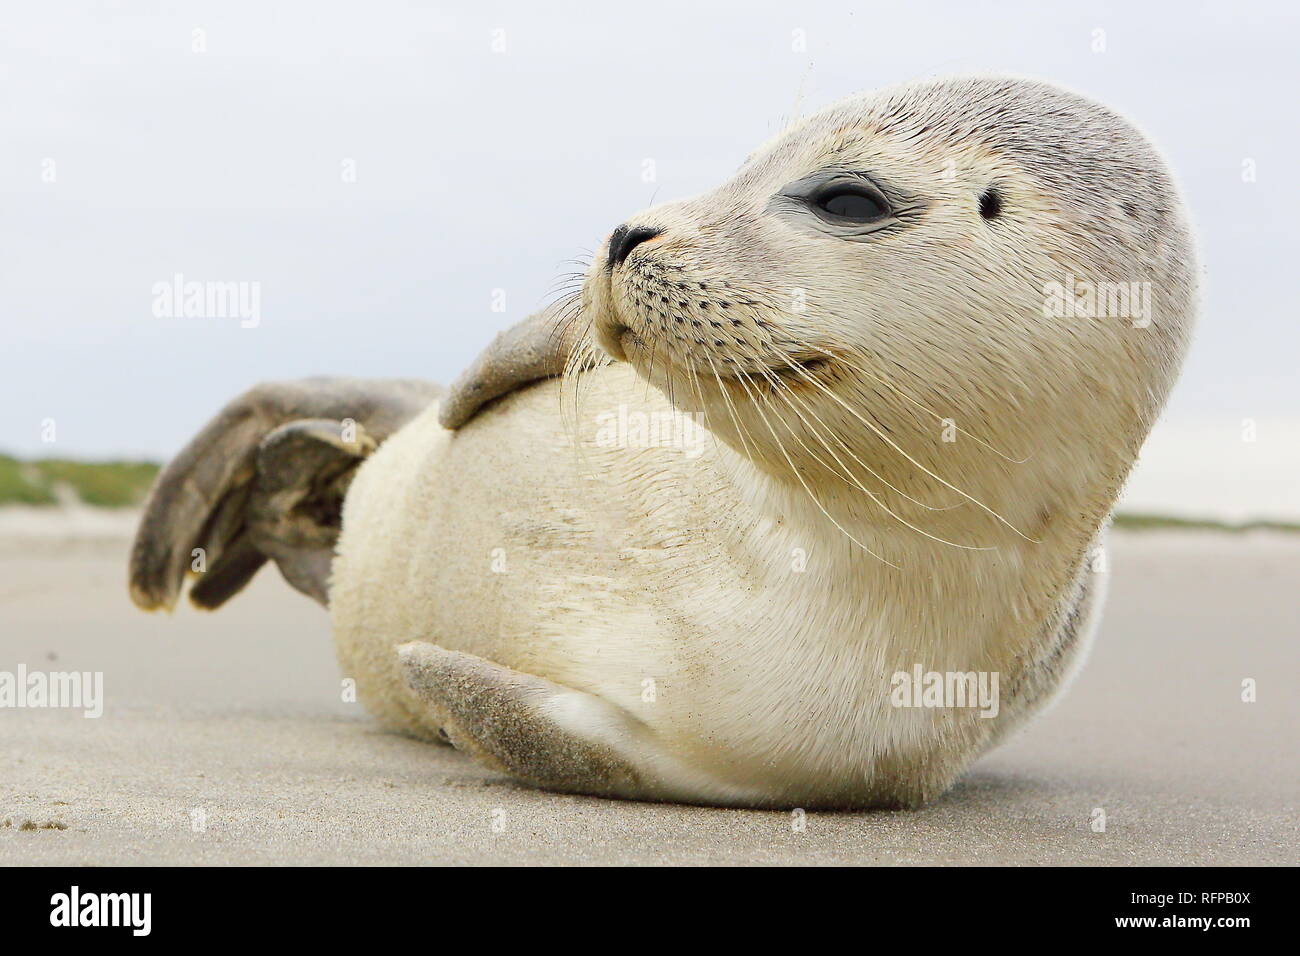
x: 552, y: 736
x: 265, y: 479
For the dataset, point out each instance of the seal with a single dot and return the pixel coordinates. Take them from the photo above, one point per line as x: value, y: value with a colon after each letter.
x: 812, y: 517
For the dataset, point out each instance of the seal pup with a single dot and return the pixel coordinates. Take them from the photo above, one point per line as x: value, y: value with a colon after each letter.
x: 900, y: 328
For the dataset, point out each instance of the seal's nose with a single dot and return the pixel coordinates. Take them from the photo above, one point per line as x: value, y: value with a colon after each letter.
x: 624, y: 240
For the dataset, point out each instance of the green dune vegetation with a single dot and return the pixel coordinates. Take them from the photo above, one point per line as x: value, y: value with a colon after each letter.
x: 47, y: 481
x: 123, y: 484
x: 1131, y: 521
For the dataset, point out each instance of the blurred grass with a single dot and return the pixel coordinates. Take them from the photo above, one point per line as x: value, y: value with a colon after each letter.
x: 123, y: 484
x: 1152, y: 522
x: 109, y: 484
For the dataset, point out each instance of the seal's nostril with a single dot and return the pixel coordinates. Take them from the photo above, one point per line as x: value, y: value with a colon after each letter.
x: 624, y: 240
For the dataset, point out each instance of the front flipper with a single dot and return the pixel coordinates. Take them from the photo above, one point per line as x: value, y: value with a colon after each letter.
x: 537, y: 348
x: 554, y: 736
x: 528, y: 727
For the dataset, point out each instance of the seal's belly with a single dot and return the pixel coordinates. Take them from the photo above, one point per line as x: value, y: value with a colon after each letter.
x: 625, y: 572
x: 505, y: 541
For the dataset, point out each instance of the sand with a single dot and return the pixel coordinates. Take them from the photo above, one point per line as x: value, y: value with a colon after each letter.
x: 224, y: 739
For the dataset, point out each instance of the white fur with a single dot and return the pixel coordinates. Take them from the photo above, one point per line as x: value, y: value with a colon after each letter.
x: 767, y: 596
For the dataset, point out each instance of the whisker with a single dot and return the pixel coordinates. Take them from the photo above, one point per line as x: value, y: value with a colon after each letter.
x: 851, y: 453
x: 843, y: 359
x: 893, y: 444
x: 872, y: 495
x: 780, y: 445
x: 741, y: 431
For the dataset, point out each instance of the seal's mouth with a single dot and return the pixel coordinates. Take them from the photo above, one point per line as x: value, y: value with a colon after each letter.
x: 768, y: 364
x: 794, y: 369
x: 611, y: 333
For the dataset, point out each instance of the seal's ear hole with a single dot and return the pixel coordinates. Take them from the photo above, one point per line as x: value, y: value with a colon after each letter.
x: 990, y: 204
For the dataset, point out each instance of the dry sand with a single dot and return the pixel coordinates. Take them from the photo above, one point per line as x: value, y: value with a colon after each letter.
x: 239, y: 715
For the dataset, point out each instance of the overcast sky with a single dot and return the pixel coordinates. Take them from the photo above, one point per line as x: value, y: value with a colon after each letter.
x: 380, y: 169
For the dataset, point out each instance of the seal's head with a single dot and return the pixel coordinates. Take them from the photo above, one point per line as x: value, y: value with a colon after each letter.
x: 974, y: 292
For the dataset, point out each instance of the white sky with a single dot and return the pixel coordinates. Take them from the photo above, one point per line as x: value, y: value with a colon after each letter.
x: 479, y: 170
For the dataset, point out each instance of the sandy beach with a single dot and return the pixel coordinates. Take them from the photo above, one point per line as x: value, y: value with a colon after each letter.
x: 224, y: 739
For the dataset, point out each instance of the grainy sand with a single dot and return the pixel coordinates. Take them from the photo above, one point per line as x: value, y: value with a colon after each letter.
x: 238, y: 714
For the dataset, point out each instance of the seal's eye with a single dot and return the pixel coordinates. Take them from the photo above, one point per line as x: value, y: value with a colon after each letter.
x: 844, y: 204
x: 849, y: 203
